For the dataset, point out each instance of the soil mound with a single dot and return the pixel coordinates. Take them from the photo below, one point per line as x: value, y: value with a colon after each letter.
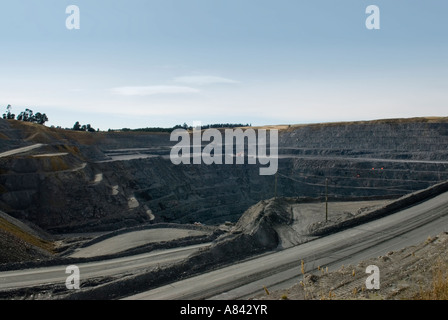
x: 255, y: 232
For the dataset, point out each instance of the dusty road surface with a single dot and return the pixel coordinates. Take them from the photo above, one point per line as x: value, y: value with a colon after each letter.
x: 54, y: 275
x: 21, y: 150
x: 414, y: 273
x: 282, y: 269
x: 305, y: 214
x: 134, y: 239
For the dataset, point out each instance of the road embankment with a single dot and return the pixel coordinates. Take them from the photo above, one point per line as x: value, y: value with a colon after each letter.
x: 328, y: 227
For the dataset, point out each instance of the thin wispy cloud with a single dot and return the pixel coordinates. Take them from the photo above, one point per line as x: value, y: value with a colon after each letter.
x: 204, y: 80
x: 152, y: 90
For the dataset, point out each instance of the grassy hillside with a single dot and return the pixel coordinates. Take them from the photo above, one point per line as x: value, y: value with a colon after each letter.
x: 18, y: 245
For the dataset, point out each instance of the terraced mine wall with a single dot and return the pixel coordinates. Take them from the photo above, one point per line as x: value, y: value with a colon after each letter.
x: 105, y: 181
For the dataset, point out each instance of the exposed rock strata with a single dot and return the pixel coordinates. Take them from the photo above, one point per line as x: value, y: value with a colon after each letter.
x: 60, y: 191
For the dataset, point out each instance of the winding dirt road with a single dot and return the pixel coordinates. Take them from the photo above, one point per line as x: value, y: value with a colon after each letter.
x: 282, y: 269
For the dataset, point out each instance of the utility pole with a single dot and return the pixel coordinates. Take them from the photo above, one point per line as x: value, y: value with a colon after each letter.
x: 275, y: 185
x: 326, y: 199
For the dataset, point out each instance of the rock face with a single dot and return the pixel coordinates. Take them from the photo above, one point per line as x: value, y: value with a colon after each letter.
x: 80, y: 181
x: 388, y: 157
x: 59, y: 193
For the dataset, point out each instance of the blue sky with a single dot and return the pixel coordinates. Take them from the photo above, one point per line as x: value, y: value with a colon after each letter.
x: 146, y: 63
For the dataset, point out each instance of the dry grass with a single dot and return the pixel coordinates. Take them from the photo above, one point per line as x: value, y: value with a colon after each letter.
x: 381, y: 121
x: 19, y: 233
x: 439, y: 285
x: 58, y: 164
x: 266, y: 290
x: 41, y: 134
x: 293, y: 127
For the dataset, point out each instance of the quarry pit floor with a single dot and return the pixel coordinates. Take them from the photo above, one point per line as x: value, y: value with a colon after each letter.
x: 342, y: 285
x: 303, y: 214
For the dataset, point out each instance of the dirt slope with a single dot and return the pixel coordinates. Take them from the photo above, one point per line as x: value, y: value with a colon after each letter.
x: 21, y: 243
x: 406, y: 274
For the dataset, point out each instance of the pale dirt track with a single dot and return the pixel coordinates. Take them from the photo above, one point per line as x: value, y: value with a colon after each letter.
x: 305, y: 214
x: 20, y: 150
x: 134, y: 239
x: 120, y: 266
x: 277, y: 270
x: 282, y: 269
